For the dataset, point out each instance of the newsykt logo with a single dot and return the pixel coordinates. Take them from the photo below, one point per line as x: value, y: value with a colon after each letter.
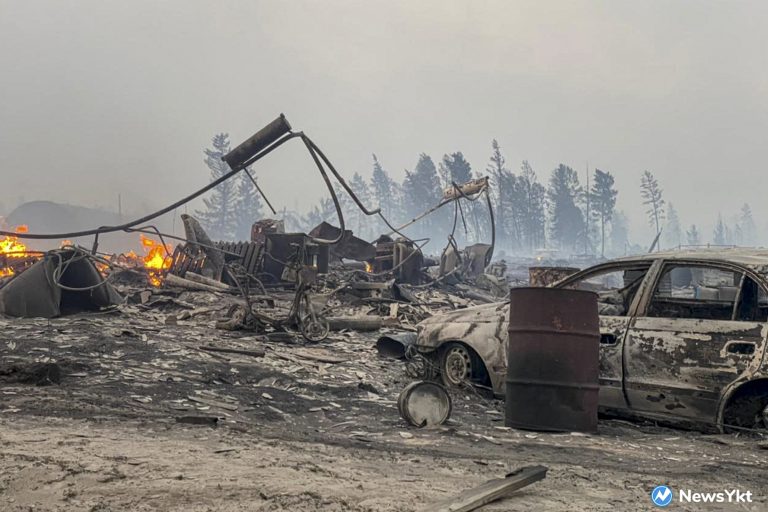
x: 661, y: 496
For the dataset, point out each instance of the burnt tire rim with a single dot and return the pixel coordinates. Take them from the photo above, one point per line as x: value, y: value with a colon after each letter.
x: 315, y: 330
x: 457, y: 366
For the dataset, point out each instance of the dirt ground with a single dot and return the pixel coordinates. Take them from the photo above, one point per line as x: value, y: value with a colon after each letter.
x: 96, y: 413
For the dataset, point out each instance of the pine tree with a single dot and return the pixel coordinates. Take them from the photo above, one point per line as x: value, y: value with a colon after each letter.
x: 719, y: 236
x: 348, y: 208
x: 528, y: 203
x: 509, y: 224
x: 619, y: 234
x: 652, y: 199
x: 359, y: 221
x: 398, y: 214
x: 673, y: 232
x: 292, y: 220
x: 248, y: 207
x: 748, y: 228
x: 498, y: 173
x: 738, y: 235
x: 219, y: 217
x: 503, y: 184
x: 567, y: 219
x: 454, y: 168
x: 421, y: 191
x: 458, y: 169
x: 382, y: 189
x: 693, y: 236
x: 323, y: 211
x: 603, y: 196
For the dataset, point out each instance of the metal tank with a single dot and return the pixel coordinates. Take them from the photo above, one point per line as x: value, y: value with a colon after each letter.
x: 552, y: 360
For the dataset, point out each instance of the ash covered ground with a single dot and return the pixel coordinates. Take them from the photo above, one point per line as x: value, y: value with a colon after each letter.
x: 128, y: 410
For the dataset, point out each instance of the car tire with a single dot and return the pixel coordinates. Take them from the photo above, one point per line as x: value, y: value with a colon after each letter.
x: 747, y: 411
x: 457, y: 365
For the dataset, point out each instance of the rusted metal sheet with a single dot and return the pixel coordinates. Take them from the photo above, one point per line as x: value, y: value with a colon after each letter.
x: 401, y: 257
x: 282, y: 248
x: 349, y: 247
x: 553, y: 360
x: 261, y: 228
x: 476, y: 258
x: 546, y: 276
x: 247, y: 254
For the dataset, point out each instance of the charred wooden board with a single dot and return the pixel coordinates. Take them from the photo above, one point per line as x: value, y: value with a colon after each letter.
x: 490, y: 491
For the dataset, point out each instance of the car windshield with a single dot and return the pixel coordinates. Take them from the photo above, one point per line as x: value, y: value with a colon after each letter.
x: 615, y: 287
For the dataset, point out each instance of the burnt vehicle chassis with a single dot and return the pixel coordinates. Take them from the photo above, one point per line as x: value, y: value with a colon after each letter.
x: 674, y: 347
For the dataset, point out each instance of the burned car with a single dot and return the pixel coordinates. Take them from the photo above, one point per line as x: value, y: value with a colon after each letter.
x: 683, y: 337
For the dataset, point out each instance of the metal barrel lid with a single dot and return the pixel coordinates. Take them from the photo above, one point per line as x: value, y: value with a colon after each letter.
x: 424, y: 403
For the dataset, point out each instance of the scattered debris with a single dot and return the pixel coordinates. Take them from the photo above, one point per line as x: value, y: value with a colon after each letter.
x: 64, y: 281
x: 490, y: 491
x: 395, y: 346
x: 425, y: 404
x: 38, y: 374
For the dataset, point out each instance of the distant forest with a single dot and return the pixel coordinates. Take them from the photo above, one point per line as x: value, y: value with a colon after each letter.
x: 532, y: 214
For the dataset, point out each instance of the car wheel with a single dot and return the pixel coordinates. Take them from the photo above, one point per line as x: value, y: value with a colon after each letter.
x: 456, y: 365
x: 750, y: 412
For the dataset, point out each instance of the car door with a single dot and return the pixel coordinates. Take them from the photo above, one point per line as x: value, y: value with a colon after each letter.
x: 618, y: 286
x: 700, y: 327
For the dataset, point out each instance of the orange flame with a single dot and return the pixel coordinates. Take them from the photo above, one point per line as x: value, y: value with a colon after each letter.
x: 10, y: 247
x: 368, y: 267
x: 156, y: 260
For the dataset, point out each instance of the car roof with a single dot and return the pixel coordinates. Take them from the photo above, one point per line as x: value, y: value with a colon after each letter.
x: 754, y: 258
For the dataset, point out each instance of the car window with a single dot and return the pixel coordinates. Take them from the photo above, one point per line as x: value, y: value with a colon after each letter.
x: 753, y: 302
x: 696, y: 291
x: 615, y: 288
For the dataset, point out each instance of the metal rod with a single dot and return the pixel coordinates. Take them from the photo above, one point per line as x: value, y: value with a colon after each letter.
x: 261, y: 192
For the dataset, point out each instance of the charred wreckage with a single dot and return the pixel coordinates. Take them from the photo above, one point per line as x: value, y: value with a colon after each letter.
x: 677, y: 337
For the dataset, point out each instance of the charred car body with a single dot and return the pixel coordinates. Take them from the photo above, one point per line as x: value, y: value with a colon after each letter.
x: 683, y: 337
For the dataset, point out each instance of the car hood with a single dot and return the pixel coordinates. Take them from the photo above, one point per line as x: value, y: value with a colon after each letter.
x: 475, y: 314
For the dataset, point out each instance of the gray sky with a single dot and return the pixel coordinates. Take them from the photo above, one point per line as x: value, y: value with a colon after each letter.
x: 104, y: 97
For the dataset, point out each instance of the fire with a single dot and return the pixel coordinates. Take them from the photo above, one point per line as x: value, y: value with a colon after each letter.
x: 156, y: 260
x: 368, y: 267
x: 11, y: 247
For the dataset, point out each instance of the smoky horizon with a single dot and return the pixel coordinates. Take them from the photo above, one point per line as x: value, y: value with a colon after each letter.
x: 111, y: 107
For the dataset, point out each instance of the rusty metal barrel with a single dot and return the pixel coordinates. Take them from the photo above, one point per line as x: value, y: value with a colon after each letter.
x: 552, y: 360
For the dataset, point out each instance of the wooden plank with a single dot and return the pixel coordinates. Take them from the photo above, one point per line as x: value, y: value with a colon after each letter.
x: 247, y: 257
x: 490, y: 491
x: 252, y: 353
x: 213, y: 403
x: 318, y: 354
